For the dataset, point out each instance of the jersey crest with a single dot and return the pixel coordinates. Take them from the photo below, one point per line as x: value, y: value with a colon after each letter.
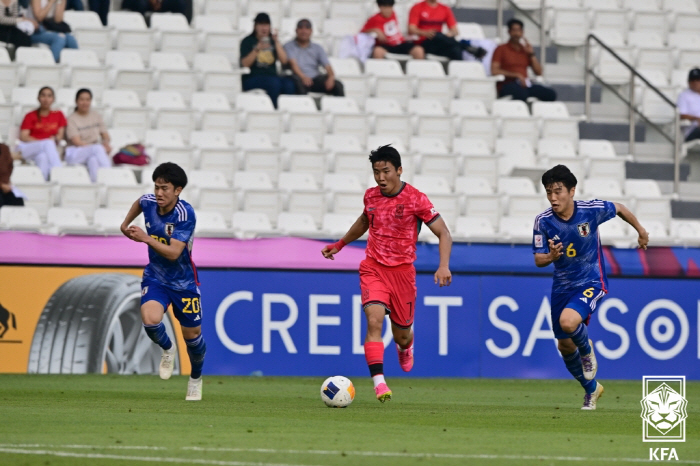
x: 169, y: 228
x: 584, y: 229
x: 398, y: 213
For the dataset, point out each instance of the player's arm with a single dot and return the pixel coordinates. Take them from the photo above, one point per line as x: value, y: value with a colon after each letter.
x: 170, y: 251
x: 555, y: 252
x: 625, y: 214
x: 134, y: 212
x: 357, y: 229
x: 443, y: 276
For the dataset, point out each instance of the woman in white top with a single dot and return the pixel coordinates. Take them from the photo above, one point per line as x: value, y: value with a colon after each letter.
x: 87, y: 136
x: 42, y: 10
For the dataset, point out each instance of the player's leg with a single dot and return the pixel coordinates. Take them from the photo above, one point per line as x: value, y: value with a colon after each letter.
x: 404, y: 345
x: 572, y: 359
x: 187, y: 309
x: 154, y: 302
x: 374, y: 349
x: 403, y: 304
x: 574, y: 322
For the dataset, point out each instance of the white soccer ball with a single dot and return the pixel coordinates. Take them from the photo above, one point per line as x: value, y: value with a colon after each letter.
x: 337, y: 392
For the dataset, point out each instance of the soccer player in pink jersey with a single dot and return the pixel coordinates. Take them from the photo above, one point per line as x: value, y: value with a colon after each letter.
x: 394, y: 211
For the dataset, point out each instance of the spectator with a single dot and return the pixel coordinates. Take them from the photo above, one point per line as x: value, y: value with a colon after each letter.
x: 389, y: 38
x: 689, y: 105
x: 305, y: 58
x: 157, y: 6
x: 7, y: 195
x: 426, y: 20
x: 88, y: 139
x: 260, y: 51
x: 512, y: 60
x: 14, y: 28
x: 40, y: 132
x: 49, y: 16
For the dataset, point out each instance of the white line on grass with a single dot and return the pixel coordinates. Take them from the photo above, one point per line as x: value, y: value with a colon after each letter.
x: 6, y: 447
x: 152, y: 459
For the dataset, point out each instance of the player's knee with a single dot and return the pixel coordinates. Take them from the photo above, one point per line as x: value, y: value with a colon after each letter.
x: 189, y: 333
x: 402, y: 340
x: 568, y: 324
x: 150, y: 320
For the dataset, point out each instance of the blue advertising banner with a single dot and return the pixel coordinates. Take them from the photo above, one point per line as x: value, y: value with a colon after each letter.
x: 311, y: 323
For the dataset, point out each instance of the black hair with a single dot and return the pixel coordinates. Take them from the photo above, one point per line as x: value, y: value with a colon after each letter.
x: 386, y: 154
x: 559, y: 174
x: 170, y: 173
x: 81, y: 91
x: 38, y: 114
x: 513, y: 21
x: 385, y: 2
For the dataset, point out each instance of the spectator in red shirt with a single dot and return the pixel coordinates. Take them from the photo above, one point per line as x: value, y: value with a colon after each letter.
x: 389, y: 38
x: 426, y: 20
x: 512, y: 60
x: 41, y: 131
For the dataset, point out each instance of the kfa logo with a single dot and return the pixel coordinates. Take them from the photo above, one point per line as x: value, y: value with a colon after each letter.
x: 584, y: 229
x: 7, y: 318
x: 664, y: 409
x: 398, y: 213
x: 169, y: 228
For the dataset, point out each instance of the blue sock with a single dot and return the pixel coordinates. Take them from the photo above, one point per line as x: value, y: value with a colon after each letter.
x: 465, y: 42
x: 580, y: 339
x: 159, y: 336
x: 196, y: 348
x: 575, y: 367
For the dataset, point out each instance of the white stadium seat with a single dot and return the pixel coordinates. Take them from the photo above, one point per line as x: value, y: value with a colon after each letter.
x: 174, y: 34
x: 131, y: 33
x: 20, y: 218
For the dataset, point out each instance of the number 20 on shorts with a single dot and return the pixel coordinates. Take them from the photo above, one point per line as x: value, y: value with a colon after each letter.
x: 191, y: 305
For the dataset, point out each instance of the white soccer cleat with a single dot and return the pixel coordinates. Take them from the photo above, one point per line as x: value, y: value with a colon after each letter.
x: 194, y: 390
x: 167, y: 362
x: 590, y: 400
x: 590, y: 364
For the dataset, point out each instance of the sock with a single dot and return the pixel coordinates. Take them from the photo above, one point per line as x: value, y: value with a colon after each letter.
x: 196, y: 348
x: 159, y: 336
x: 377, y: 379
x: 575, y: 367
x: 374, y: 354
x: 580, y: 339
x: 465, y: 43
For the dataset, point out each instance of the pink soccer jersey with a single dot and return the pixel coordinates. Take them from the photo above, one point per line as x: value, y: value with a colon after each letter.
x: 393, y: 223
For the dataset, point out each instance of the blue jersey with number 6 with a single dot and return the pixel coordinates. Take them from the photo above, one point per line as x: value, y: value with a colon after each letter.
x: 582, y: 263
x: 178, y: 224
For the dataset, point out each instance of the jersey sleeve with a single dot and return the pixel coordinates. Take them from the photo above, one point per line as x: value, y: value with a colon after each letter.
x: 497, y: 55
x: 62, y: 123
x: 683, y: 104
x: 606, y: 212
x: 370, y: 24
x: 184, y: 228
x: 29, y: 121
x: 414, y: 15
x: 451, y: 21
x: 540, y: 243
x: 425, y: 210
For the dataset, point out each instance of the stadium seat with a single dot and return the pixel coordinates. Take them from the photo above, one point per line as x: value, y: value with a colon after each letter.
x: 432, y: 184
x: 24, y: 218
x: 473, y: 185
x: 173, y: 34
x: 247, y: 141
x: 353, y: 163
x: 514, y: 153
x: 446, y: 166
x: 516, y: 186
x: 66, y: 220
x: 171, y: 113
x: 297, y: 182
x: 260, y: 115
x: 208, y: 140
x: 431, y: 81
x: 299, y: 141
x: 39, y: 194
x: 119, y: 188
x: 336, y: 225
x: 266, y: 202
x: 472, y: 82
x: 556, y: 122
x: 255, y: 180
x: 347, y: 203
x: 85, y: 71
x: 131, y: 33
x: 686, y: 232
x: 356, y: 84
x: 448, y: 206
x: 484, y: 128
x: 311, y: 161
x: 108, y: 221
x: 173, y: 73
x: 658, y: 232
x: 341, y: 182
x: 428, y: 145
x: 263, y: 160
x: 569, y: 27
x: 228, y: 9
x: 432, y: 121
x: 601, y: 188
x: 217, y: 75
x: 481, y: 166
x: 389, y: 80
x: 252, y: 225
x: 302, y: 115
x: 164, y: 138
x: 313, y: 10
x: 469, y: 108
x: 555, y: 148
x: 344, y: 116
x: 128, y: 73
x: 217, y: 36
x: 37, y: 67
x: 610, y: 70
x: 515, y: 229
x: 516, y: 122
x: 477, y: 229
x: 213, y: 112
x: 297, y: 224
x: 615, y: 234
x: 275, y: 8
x: 211, y: 192
x: 470, y: 31
x: 602, y: 168
x: 653, y: 208
x: 596, y: 148
x: 124, y: 112
x: 344, y: 142
x: 212, y: 224
x: 182, y: 156
x: 89, y: 32
x: 388, y: 119
x: 642, y: 188
x: 376, y: 140
x: 9, y: 73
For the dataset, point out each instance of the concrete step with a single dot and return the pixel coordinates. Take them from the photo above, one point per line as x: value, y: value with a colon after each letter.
x: 685, y: 209
x: 609, y: 131
x: 654, y: 171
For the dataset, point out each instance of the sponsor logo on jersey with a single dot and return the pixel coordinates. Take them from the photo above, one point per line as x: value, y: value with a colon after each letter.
x: 398, y: 213
x: 584, y: 229
x: 169, y: 228
x: 539, y: 242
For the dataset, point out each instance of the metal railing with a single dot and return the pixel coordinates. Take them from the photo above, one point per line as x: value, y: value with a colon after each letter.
x: 674, y: 139
x: 539, y: 24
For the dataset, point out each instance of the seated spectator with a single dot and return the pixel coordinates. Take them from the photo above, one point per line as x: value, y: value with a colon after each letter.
x: 157, y: 6
x: 7, y: 194
x: 88, y: 139
x: 389, y: 38
x: 49, y: 16
x: 260, y: 51
x: 40, y: 132
x: 512, y: 60
x: 426, y: 19
x: 14, y: 28
x: 689, y: 105
x: 305, y: 58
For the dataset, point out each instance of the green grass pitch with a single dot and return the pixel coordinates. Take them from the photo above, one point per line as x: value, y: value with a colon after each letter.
x: 131, y: 420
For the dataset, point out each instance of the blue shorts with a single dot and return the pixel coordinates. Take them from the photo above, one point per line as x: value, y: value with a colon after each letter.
x: 583, y: 301
x: 187, y: 305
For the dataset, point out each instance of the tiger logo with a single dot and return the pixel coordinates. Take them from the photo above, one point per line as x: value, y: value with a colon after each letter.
x: 664, y: 408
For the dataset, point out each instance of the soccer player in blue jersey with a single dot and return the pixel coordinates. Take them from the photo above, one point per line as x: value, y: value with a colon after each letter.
x: 170, y: 276
x: 567, y: 235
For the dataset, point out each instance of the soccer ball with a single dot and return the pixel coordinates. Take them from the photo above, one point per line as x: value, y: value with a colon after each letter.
x: 337, y: 392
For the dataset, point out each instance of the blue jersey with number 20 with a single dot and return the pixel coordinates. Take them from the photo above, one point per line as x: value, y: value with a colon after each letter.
x: 178, y: 224
x: 582, y: 263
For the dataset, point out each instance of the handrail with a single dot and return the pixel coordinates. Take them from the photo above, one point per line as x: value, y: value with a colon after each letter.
x: 539, y: 24
x: 634, y: 74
